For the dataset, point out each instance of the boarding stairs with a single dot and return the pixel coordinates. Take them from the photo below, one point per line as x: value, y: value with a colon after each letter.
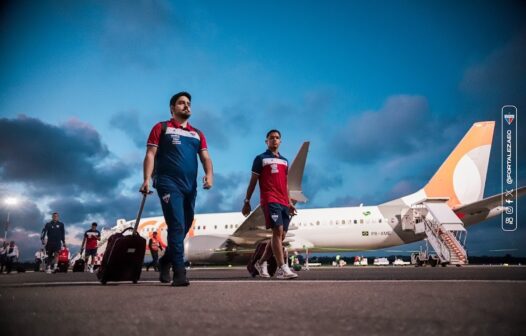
x: 445, y: 232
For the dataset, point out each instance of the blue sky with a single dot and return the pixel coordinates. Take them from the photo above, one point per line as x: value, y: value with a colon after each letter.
x: 383, y: 90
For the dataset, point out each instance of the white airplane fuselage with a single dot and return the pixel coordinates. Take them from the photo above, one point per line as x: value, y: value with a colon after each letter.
x: 318, y: 230
x: 460, y: 180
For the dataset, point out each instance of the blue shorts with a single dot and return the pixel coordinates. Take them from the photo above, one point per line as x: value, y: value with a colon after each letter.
x: 91, y: 252
x: 275, y: 215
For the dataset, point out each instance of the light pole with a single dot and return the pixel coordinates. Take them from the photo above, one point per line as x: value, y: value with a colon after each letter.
x: 10, y: 201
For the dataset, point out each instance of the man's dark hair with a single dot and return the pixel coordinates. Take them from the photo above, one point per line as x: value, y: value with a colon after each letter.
x: 54, y: 213
x: 176, y: 96
x: 273, y: 131
x: 93, y: 224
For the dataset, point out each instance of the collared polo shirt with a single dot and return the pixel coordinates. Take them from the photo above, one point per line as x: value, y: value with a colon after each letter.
x: 272, y: 171
x: 92, y: 237
x: 177, y: 152
x: 55, y: 233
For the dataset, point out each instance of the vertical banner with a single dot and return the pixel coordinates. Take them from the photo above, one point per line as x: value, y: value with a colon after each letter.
x: 509, y: 167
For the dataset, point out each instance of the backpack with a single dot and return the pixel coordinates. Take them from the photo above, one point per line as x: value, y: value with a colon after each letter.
x: 78, y: 266
x: 164, y: 125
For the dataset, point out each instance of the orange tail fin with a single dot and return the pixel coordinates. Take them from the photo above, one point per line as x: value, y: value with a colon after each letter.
x: 462, y: 176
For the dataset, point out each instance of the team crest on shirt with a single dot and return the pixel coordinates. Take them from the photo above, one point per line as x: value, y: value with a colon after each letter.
x: 166, y: 198
x: 176, y: 140
x: 274, y: 217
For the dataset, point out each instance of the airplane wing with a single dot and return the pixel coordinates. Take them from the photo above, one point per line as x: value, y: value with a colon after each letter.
x: 252, y: 229
x: 486, y: 204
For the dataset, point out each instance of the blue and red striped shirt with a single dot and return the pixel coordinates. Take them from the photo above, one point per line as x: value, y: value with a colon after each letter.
x: 272, y: 171
x: 177, y: 152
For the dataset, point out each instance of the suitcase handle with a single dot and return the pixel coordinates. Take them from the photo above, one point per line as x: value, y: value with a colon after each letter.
x: 128, y: 228
x: 139, y: 214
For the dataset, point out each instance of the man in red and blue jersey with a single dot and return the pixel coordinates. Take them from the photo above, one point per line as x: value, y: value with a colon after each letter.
x: 270, y: 169
x: 90, y: 242
x: 173, y: 147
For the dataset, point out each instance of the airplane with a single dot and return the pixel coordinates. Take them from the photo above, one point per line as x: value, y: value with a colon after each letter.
x: 438, y: 212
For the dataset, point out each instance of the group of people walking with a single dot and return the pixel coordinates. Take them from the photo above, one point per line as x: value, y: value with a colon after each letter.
x: 170, y: 162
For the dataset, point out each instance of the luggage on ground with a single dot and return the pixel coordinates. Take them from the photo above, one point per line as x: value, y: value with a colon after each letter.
x: 260, y: 249
x: 79, y: 265
x: 124, y: 255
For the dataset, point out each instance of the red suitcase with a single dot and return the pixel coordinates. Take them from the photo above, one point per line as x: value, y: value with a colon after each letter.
x: 124, y: 255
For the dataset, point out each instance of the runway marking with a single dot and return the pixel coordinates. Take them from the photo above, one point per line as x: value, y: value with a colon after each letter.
x: 204, y: 281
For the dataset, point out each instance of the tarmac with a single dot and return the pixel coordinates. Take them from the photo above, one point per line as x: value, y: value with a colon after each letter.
x: 386, y: 300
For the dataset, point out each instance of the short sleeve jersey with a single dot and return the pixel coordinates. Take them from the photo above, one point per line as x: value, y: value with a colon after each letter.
x: 55, y: 232
x: 177, y: 152
x: 92, y: 237
x: 272, y: 171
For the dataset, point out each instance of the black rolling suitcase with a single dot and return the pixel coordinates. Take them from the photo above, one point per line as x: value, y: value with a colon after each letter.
x: 124, y: 255
x: 79, y: 265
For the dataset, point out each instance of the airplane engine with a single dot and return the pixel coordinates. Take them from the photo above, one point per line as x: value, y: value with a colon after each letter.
x: 206, y: 250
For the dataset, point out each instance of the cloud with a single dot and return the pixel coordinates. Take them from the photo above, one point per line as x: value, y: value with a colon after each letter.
x: 399, y: 127
x: 128, y: 122
x: 136, y: 34
x: 24, y: 215
x: 214, y: 128
x: 227, y: 193
x: 62, y: 168
x: 316, y: 180
x: 501, y: 76
x: 402, y: 188
x: 315, y: 107
x: 498, y: 79
x: 218, y: 130
x: 53, y: 159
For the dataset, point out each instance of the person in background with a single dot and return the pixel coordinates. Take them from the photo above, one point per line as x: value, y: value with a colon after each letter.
x: 154, y: 245
x: 40, y: 257
x: 11, y: 256
x: 3, y: 257
x: 56, y: 238
x: 90, y: 241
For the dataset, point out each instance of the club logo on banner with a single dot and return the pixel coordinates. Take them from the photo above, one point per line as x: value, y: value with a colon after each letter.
x: 509, y: 118
x: 509, y: 168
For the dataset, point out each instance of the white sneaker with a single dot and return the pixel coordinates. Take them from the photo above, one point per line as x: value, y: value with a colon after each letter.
x: 284, y: 272
x: 48, y: 270
x: 262, y: 269
x: 91, y: 268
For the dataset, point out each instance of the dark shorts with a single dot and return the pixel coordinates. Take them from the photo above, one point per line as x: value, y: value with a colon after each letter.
x: 91, y: 252
x: 275, y: 215
x: 52, y: 248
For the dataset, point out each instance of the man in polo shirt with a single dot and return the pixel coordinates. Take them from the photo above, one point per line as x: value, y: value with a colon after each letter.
x: 90, y: 242
x: 173, y: 147
x: 271, y: 169
x: 56, y: 238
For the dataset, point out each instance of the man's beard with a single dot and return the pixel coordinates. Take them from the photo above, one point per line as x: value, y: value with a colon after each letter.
x: 184, y: 115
